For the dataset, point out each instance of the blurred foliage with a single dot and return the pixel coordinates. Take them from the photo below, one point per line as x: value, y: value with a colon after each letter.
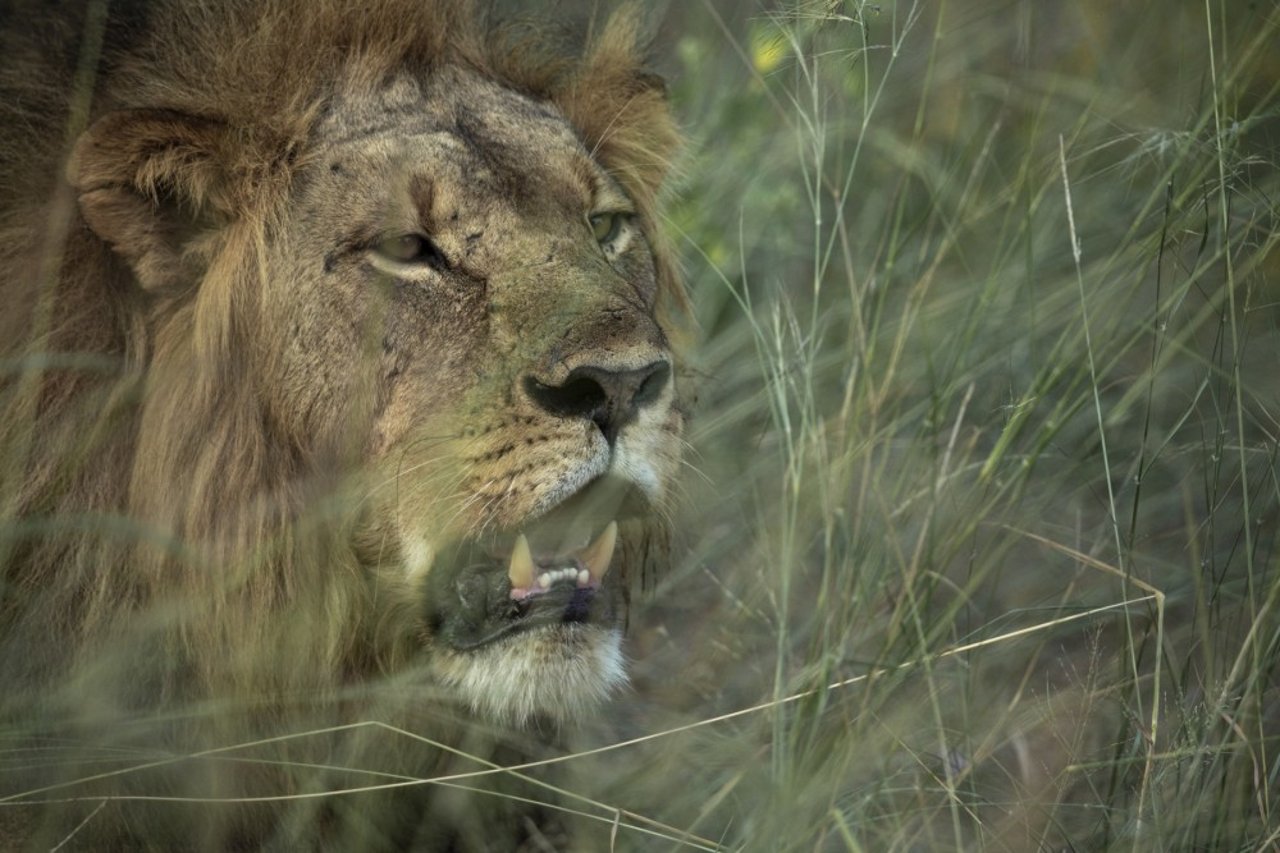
x: 979, y: 539
x: 990, y: 294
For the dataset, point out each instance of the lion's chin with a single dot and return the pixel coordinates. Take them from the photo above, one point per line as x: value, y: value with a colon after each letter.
x: 552, y: 673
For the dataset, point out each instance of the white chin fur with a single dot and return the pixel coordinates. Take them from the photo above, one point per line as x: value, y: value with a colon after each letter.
x: 561, y: 673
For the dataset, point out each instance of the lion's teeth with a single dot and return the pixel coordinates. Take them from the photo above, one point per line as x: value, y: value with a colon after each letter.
x: 521, y: 569
x: 597, y: 556
x: 553, y: 576
x: 589, y: 565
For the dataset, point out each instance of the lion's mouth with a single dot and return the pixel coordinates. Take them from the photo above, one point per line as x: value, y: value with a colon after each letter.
x: 584, y: 569
x: 556, y: 570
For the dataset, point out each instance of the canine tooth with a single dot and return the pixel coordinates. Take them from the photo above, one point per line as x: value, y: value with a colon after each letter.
x: 599, y: 554
x: 520, y: 570
x: 584, y: 577
x: 544, y: 580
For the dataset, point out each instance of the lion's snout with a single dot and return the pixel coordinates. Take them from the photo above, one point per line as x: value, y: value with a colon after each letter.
x: 609, y: 398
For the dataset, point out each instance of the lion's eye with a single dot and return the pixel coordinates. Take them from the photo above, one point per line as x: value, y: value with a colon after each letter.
x: 411, y: 249
x: 606, y: 226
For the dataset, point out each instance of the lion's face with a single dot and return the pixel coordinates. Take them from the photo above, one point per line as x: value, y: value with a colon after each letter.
x: 461, y: 298
x: 396, y: 277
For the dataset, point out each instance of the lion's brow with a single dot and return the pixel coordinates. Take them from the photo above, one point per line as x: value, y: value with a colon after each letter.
x: 397, y: 129
x: 422, y: 193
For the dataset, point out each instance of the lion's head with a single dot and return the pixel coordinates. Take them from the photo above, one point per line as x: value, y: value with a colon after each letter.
x: 393, y: 376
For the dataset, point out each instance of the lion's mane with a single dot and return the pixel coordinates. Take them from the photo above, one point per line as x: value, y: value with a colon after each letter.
x: 137, y: 510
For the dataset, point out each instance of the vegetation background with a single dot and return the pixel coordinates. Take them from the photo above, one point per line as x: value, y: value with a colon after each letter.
x: 980, y: 537
x: 979, y: 544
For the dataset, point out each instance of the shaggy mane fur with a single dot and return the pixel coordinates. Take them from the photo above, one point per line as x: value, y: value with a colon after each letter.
x: 124, y: 504
x: 172, y: 567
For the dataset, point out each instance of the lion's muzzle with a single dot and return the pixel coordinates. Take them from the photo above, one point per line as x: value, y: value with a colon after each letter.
x: 610, y: 398
x: 557, y: 569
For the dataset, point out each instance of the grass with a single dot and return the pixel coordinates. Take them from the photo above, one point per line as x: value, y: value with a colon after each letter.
x: 986, y: 449
x: 979, y: 544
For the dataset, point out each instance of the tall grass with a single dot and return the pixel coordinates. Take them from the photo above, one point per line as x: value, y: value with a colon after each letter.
x: 985, y: 494
x: 978, y: 549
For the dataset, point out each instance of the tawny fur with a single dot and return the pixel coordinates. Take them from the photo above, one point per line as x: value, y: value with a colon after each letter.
x: 156, y: 487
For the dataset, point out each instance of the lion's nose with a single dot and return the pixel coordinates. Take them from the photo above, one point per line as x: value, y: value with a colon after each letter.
x: 609, y: 398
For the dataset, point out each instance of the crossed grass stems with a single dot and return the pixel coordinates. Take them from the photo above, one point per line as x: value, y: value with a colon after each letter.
x: 615, y: 816
x: 809, y: 416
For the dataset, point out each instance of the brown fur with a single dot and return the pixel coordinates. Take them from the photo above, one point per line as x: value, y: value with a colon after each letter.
x: 212, y: 489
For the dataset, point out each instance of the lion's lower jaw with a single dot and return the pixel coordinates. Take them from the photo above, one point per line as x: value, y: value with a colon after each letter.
x: 557, y: 674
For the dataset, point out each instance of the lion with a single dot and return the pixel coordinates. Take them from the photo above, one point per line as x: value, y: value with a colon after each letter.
x: 345, y: 353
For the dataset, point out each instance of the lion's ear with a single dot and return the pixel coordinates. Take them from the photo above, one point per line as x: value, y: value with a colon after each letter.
x: 621, y: 108
x: 149, y: 180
